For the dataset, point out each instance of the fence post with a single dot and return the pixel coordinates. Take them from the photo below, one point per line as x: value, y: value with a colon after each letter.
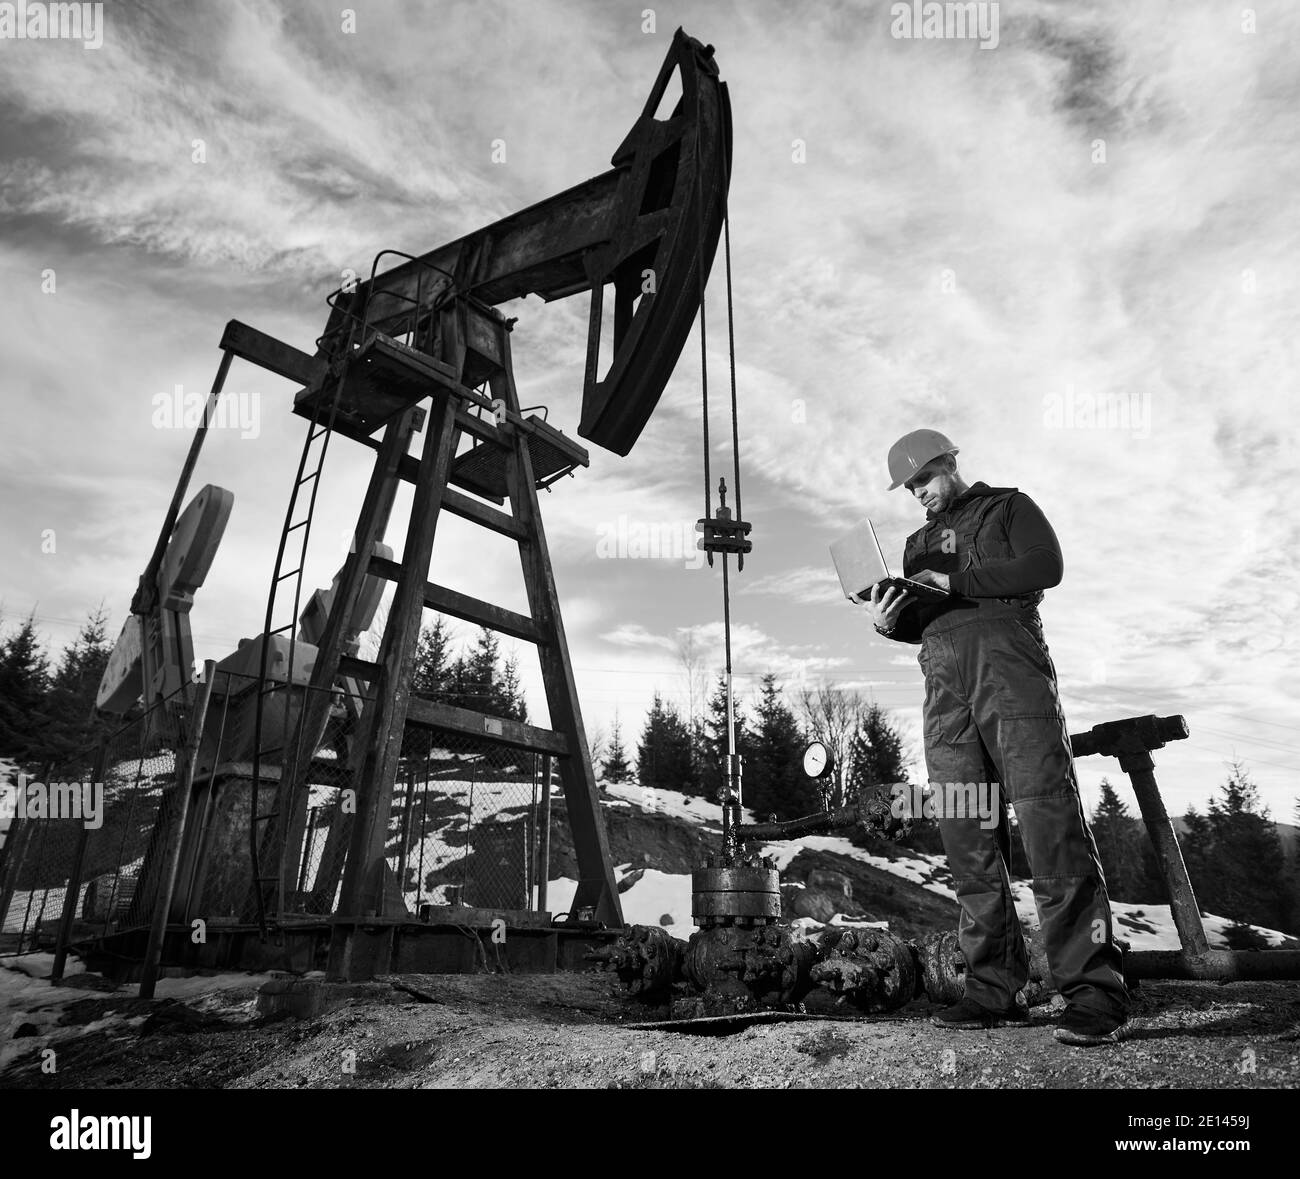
x: 70, y: 897
x: 158, y: 928
x: 16, y: 860
x: 544, y: 840
x: 31, y: 892
x: 16, y: 840
x: 406, y: 828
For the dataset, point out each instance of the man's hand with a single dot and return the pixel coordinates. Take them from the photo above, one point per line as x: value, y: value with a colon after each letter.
x: 885, y: 610
x: 930, y: 577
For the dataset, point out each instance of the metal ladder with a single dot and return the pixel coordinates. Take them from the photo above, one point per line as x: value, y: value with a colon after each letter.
x: 268, y: 888
x: 266, y: 833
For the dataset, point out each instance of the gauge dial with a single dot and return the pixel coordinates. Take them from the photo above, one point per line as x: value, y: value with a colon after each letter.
x: 817, y: 760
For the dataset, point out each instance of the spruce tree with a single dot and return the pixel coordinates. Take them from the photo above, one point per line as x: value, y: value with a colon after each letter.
x: 1198, y: 855
x: 24, y: 682
x: 714, y: 744
x: 774, y: 781
x: 74, y: 730
x: 1249, y: 847
x: 1235, y: 859
x: 432, y: 654
x: 512, y: 692
x: 481, y: 684
x: 1113, y: 832
x: 876, y: 756
x: 1128, y: 860
x: 876, y: 762
x: 457, y: 690
x: 429, y: 680
x: 664, y: 759
x: 616, y: 768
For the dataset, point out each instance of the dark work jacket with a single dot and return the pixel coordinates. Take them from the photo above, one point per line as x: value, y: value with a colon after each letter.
x: 973, y: 532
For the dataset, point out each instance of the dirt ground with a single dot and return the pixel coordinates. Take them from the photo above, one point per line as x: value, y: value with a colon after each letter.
x: 571, y: 1031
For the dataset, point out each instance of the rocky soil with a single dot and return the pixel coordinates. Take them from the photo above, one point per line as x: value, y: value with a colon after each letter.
x: 575, y: 1031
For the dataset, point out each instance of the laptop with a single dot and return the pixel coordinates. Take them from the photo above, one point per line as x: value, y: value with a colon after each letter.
x: 861, y: 565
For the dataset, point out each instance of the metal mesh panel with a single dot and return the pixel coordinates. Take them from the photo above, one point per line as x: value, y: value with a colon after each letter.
x: 116, y: 834
x: 123, y: 858
x: 464, y: 825
x: 463, y: 828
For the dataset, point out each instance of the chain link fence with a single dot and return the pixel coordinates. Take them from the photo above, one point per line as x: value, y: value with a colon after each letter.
x: 466, y: 823
x: 464, y: 829
x: 94, y: 825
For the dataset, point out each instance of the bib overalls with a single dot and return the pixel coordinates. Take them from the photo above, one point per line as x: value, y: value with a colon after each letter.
x: 993, y: 715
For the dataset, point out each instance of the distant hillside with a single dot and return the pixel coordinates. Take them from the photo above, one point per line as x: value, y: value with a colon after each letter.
x: 1286, y: 832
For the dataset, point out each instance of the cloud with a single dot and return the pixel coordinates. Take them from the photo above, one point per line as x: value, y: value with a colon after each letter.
x: 1102, y: 205
x: 635, y: 635
x: 804, y: 586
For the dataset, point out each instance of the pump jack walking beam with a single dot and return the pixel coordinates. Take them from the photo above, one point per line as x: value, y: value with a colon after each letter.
x: 649, y: 226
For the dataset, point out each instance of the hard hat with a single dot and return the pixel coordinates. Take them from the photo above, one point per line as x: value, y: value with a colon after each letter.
x: 912, y: 451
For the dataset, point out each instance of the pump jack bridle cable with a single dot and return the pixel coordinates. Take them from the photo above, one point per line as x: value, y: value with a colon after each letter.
x: 725, y: 527
x: 731, y: 352
x: 731, y: 356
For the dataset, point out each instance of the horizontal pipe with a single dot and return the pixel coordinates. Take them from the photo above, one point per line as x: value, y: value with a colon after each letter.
x: 1214, y: 966
x: 845, y: 816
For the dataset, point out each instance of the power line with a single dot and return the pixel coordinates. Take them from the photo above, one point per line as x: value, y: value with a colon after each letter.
x: 1217, y: 711
x: 1256, y: 740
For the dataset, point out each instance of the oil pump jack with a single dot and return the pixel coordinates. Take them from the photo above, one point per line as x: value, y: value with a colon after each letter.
x: 421, y: 345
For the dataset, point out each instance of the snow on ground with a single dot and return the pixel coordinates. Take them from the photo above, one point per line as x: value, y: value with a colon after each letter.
x: 39, y: 905
x: 670, y: 802
x: 477, y: 804
x: 1144, y: 926
x: 930, y: 872
x: 28, y: 997
x: 654, y: 896
x: 442, y: 841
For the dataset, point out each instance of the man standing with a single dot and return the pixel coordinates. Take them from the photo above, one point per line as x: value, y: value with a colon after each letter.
x: 992, y: 714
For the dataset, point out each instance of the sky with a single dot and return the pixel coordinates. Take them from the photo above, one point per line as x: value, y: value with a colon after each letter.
x: 1073, y: 250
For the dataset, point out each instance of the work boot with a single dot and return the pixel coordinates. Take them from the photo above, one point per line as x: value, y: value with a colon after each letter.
x: 969, y: 1016
x: 1085, y: 1028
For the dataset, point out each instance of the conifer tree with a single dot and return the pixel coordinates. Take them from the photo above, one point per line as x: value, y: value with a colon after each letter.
x: 664, y: 759
x: 1235, y: 859
x: 512, y: 691
x: 774, y: 781
x: 432, y: 655
x: 74, y: 730
x: 616, y: 768
x: 876, y: 756
x: 1116, y: 839
x: 24, y: 682
x: 714, y: 745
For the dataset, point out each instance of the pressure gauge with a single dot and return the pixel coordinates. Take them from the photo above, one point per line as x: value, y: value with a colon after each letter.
x: 817, y: 760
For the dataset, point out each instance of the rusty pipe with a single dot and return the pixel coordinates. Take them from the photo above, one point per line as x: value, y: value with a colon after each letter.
x: 1213, y: 965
